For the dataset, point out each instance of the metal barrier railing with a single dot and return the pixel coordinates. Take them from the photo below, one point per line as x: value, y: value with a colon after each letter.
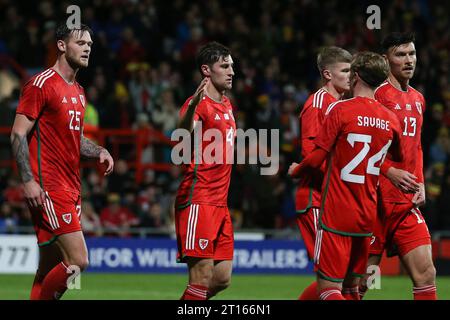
x: 139, y: 139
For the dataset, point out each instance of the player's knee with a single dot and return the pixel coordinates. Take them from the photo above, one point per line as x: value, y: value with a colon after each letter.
x: 426, y: 275
x: 81, y: 262
x: 201, y: 273
x: 84, y: 264
x: 222, y: 282
x: 429, y: 275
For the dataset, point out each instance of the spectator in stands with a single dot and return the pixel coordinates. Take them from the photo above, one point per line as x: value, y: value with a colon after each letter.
x: 116, y: 219
x: 140, y: 88
x: 165, y: 117
x: 90, y: 220
x: 8, y: 219
x: 13, y: 193
x: 152, y: 217
x: 440, y: 148
x: 121, y: 179
x: 91, y: 120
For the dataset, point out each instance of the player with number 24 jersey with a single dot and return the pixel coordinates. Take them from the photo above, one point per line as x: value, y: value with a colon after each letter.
x: 357, y: 133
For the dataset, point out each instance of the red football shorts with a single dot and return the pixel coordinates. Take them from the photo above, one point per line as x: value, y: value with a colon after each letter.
x: 60, y: 214
x: 337, y: 256
x: 307, y: 223
x: 399, y: 229
x: 204, y: 231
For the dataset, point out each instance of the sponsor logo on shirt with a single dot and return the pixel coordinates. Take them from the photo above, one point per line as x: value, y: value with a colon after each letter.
x: 217, y: 117
x: 64, y: 100
x: 82, y: 100
x: 67, y: 217
x: 419, y: 107
x: 397, y: 107
x: 203, y: 243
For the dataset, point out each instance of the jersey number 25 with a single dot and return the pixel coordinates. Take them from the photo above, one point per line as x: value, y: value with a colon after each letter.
x: 74, y: 120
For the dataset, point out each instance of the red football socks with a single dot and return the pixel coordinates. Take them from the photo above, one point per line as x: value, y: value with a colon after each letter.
x: 36, y: 288
x: 55, y: 282
x: 351, y: 293
x: 425, y: 293
x: 310, y: 293
x: 195, y: 292
x: 331, y: 294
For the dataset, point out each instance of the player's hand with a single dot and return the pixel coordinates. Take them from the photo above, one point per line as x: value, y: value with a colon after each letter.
x: 419, y: 198
x: 34, y: 194
x: 403, y: 180
x: 292, y: 168
x: 106, y: 157
x: 200, y: 92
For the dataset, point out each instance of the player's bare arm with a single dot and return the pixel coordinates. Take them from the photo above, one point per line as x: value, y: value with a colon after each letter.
x: 186, y: 121
x: 32, y: 191
x: 89, y: 149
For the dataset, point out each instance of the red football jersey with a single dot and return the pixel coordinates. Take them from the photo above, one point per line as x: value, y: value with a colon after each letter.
x: 311, y: 120
x: 205, y: 182
x: 54, y: 142
x: 357, y: 134
x: 409, y: 107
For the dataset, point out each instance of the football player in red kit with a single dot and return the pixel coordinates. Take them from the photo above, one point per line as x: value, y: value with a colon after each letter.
x: 401, y: 228
x: 334, y: 67
x: 47, y: 142
x: 356, y: 136
x: 203, y: 223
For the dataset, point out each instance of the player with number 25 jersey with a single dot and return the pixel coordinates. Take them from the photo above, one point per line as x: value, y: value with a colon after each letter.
x: 54, y: 144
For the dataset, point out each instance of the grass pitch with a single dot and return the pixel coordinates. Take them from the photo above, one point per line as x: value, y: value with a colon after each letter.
x: 171, y: 286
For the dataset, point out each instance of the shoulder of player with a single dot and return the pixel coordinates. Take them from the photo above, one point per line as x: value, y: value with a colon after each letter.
x: 42, y: 79
x: 184, y: 106
x: 79, y: 86
x: 307, y: 104
x: 320, y: 99
x: 338, y: 105
x: 416, y: 92
x: 227, y: 102
x: 199, y: 106
x: 382, y: 88
x: 187, y: 101
x: 316, y: 101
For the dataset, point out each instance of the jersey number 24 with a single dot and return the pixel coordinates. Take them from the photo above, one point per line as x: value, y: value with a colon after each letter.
x: 346, y: 174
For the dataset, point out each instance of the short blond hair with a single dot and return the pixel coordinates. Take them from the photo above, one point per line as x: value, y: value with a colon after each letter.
x: 331, y: 55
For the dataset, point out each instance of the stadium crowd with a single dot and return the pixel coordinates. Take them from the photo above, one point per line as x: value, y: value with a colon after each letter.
x: 142, y: 69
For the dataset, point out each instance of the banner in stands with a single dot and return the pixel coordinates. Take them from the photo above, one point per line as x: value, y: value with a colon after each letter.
x: 19, y: 254
x: 159, y: 255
